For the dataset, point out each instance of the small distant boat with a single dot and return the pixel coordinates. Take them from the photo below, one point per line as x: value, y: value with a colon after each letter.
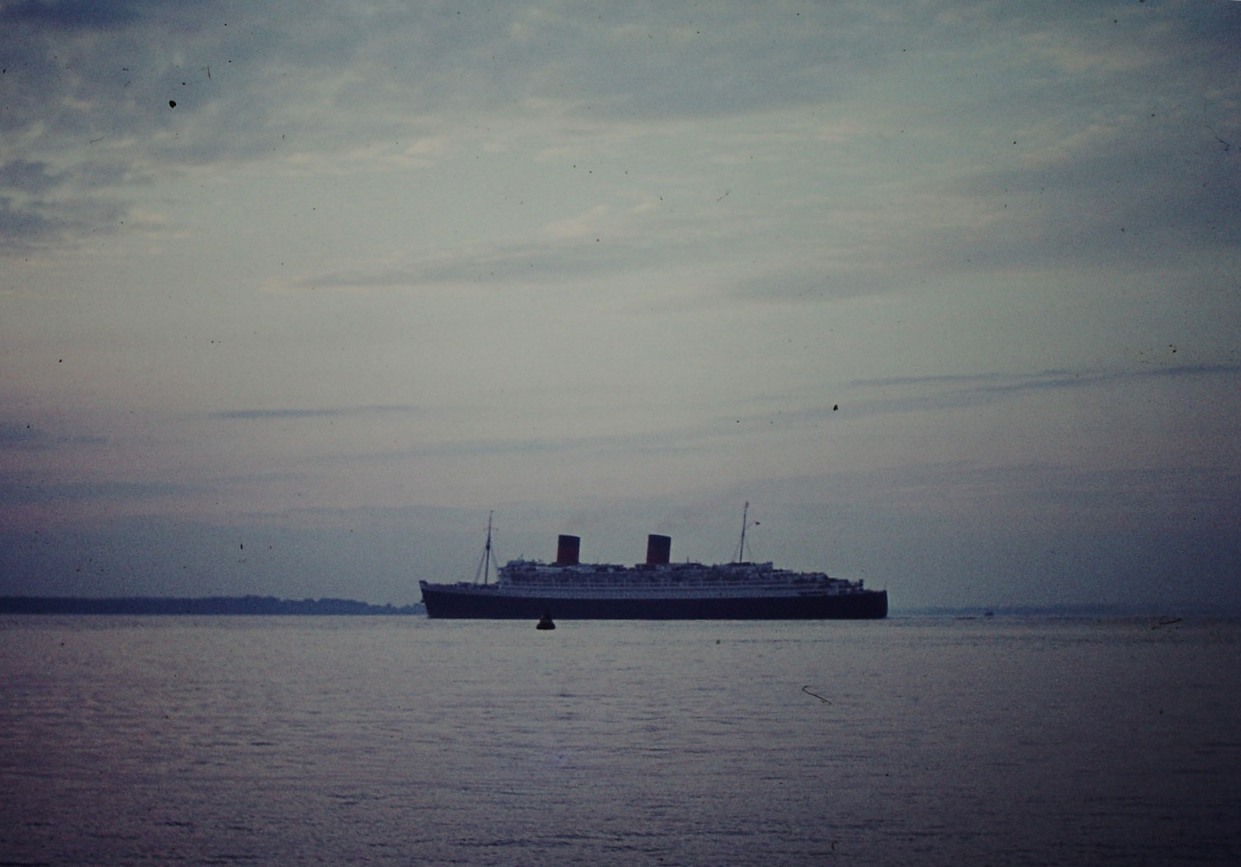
x: 546, y: 622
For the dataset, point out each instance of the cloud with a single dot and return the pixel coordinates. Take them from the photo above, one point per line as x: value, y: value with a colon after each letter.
x: 1009, y: 383
x: 602, y: 242
x: 865, y: 397
x: 39, y: 223
x: 832, y: 280
x: 27, y: 176
x: 947, y: 392
x: 281, y: 414
x: 25, y: 437
x: 28, y: 437
x: 23, y: 227
x: 105, y: 75
x: 282, y: 86
x: 538, y: 263
x: 27, y: 492
x: 71, y: 14
x: 1125, y: 196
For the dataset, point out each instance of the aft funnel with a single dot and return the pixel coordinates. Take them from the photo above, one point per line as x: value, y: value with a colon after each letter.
x: 658, y: 550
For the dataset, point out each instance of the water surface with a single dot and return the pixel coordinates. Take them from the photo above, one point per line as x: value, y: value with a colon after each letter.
x: 402, y: 740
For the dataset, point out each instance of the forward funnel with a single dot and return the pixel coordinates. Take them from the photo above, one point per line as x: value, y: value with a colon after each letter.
x: 567, y: 548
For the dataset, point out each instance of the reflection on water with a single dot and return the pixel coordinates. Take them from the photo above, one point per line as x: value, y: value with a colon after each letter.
x: 399, y: 740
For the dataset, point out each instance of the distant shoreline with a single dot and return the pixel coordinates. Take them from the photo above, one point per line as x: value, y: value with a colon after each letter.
x: 1086, y: 610
x: 271, y: 605
x: 208, y: 605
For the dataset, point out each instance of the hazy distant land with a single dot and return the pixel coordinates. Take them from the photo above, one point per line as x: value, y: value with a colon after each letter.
x: 238, y: 605
x: 202, y: 605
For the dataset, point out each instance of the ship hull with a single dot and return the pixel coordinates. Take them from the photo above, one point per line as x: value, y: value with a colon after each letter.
x: 445, y: 601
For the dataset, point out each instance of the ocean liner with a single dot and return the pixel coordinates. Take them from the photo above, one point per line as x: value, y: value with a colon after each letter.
x: 656, y: 589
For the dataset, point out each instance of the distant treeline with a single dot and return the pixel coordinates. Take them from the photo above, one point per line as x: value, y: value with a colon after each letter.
x: 204, y: 605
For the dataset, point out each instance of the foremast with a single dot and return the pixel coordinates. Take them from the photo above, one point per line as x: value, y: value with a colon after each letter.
x: 484, y: 565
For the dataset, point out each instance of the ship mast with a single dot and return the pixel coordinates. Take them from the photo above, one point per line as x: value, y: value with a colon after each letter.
x: 484, y: 565
x: 745, y: 512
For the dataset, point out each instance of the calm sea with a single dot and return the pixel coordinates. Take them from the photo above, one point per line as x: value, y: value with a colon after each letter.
x: 406, y: 741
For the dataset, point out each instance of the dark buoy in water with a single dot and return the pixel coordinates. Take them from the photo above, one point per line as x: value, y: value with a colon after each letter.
x: 545, y: 622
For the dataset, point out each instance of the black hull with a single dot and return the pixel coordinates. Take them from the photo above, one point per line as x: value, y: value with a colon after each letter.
x: 446, y: 602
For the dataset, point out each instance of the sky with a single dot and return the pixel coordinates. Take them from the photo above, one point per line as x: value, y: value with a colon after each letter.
x: 293, y: 295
